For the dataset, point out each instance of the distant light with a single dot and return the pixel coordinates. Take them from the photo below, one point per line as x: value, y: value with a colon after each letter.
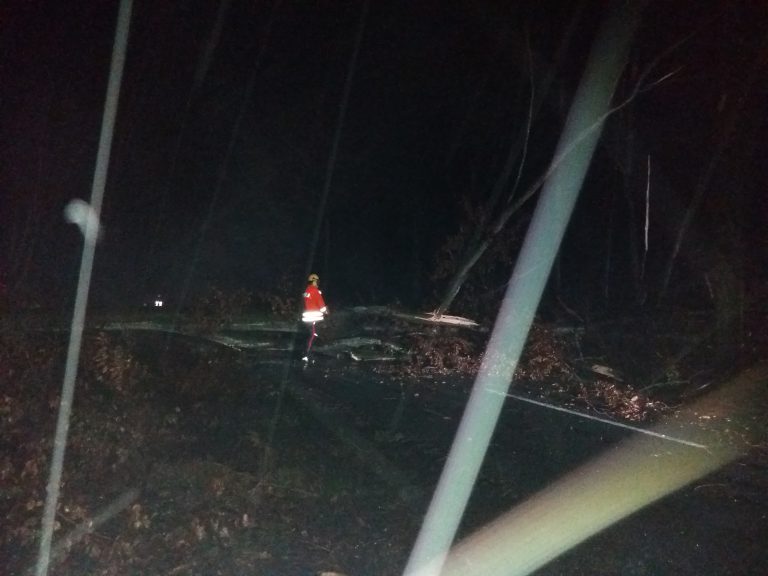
x: 158, y: 303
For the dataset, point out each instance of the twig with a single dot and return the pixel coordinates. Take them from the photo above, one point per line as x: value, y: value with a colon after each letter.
x: 710, y: 486
x: 180, y: 567
x: 647, y: 216
x: 528, y: 124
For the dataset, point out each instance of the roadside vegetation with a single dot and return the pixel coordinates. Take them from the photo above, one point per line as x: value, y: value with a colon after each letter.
x: 183, y: 459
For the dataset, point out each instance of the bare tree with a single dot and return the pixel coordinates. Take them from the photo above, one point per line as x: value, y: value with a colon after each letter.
x: 491, y: 226
x: 516, y: 156
x: 498, y: 224
x: 722, y: 142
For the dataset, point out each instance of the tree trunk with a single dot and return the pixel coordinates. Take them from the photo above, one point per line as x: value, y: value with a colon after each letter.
x: 703, y: 185
x: 487, y: 228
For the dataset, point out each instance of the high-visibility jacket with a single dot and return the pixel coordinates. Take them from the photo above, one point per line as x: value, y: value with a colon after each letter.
x: 314, y: 306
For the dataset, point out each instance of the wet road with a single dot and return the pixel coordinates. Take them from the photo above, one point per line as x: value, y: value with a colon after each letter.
x: 403, y: 429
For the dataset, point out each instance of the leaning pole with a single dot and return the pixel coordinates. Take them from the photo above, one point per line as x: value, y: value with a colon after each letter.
x: 87, y: 217
x: 575, y: 149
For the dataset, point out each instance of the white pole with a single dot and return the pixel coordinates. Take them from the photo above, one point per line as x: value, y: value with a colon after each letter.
x: 577, y: 144
x: 87, y: 217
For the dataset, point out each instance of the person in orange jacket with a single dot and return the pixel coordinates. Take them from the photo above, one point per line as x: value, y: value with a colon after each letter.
x: 315, y: 309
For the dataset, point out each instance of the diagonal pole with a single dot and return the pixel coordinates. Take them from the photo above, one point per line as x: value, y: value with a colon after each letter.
x: 88, y: 219
x: 550, y: 220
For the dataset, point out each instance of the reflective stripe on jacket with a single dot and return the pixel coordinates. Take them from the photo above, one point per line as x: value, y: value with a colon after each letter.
x: 314, y: 306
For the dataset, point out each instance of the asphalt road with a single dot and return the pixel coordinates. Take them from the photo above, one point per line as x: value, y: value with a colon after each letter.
x: 403, y: 430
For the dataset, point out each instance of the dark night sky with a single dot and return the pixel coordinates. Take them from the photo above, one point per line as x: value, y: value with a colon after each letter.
x: 440, y: 92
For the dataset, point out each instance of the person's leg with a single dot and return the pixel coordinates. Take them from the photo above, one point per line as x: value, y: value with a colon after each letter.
x: 312, y: 337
